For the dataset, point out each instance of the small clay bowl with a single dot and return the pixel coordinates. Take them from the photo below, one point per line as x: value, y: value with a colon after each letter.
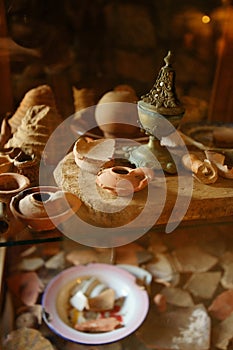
x: 36, y: 217
x: 11, y: 184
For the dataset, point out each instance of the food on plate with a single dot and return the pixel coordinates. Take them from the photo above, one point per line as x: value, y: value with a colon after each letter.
x: 89, y: 305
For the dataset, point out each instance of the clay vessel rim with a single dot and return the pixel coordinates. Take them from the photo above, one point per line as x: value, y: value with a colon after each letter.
x: 6, y: 158
x: 121, y: 170
x: 86, y: 152
x: 21, y: 180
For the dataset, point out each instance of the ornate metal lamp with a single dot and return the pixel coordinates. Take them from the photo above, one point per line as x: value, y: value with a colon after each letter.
x: 159, y: 113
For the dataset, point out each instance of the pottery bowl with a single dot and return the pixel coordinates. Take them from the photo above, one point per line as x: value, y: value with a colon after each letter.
x: 43, y: 208
x: 11, y: 184
x: 91, y: 156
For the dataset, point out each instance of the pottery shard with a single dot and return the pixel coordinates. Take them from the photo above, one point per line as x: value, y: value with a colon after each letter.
x: 25, y: 286
x: 35, y: 129
x: 186, y: 328
x: 79, y: 257
x: 222, y: 306
x: 26, y: 339
x: 163, y: 270
x: 41, y: 95
x: 203, y: 284
x: 227, y: 278
x: 223, y: 333
x: 193, y: 259
x: 177, y: 296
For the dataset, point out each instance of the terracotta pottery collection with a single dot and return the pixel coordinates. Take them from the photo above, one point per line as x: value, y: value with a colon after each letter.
x: 45, y: 207
x: 123, y: 181
x: 33, y: 125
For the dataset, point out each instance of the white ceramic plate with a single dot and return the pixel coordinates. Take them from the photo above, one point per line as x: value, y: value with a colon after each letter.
x: 134, y: 310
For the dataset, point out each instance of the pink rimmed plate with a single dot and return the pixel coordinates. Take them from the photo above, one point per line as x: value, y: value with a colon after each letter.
x: 134, y: 309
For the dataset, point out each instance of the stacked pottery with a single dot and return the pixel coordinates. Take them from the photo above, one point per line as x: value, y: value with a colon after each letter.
x: 116, y: 113
x: 41, y: 95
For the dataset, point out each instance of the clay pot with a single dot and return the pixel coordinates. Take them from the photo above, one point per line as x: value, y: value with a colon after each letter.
x: 44, y: 208
x: 92, y: 155
x: 116, y: 114
x: 124, y: 181
x: 27, y: 165
x: 11, y: 184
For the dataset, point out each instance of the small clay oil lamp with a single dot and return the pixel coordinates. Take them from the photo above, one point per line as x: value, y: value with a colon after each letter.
x: 124, y: 181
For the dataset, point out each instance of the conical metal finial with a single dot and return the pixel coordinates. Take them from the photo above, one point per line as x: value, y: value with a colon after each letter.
x: 169, y: 59
x: 163, y: 96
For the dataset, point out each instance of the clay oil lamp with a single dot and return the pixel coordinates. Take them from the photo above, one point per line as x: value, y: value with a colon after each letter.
x: 44, y: 208
x: 124, y: 181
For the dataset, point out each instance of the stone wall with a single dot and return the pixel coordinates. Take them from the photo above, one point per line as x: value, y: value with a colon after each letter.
x: 98, y: 44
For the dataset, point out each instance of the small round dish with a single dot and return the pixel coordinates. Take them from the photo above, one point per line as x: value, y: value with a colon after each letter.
x: 134, y: 310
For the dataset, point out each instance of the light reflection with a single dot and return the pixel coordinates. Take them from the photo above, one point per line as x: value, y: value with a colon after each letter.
x: 205, y: 19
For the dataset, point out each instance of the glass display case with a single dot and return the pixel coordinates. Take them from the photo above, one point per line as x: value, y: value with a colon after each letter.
x: 165, y: 253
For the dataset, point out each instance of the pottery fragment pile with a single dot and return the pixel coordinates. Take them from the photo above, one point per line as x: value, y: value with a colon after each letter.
x: 189, y: 285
